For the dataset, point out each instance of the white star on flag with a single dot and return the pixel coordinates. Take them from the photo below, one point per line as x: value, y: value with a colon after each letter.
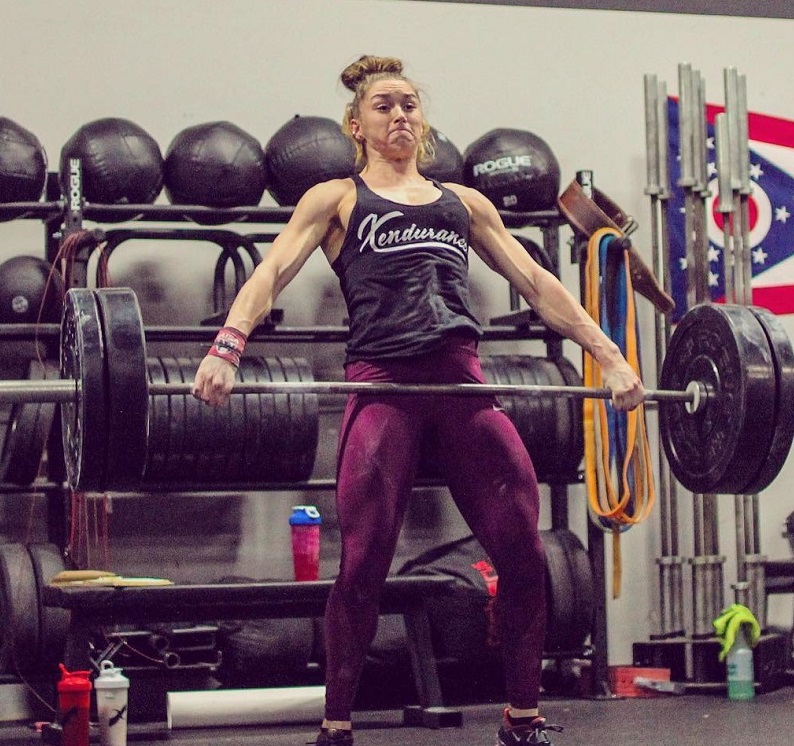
x: 714, y: 280
x: 782, y: 214
x: 714, y: 253
x: 759, y: 255
x: 756, y: 172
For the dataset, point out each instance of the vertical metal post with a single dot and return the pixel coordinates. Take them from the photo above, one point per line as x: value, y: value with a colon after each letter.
x: 596, y: 544
x: 658, y: 189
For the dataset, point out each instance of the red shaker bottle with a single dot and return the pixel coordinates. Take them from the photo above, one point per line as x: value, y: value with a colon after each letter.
x: 305, y: 527
x: 74, y: 702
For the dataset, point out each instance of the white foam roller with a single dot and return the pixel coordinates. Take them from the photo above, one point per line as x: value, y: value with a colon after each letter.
x: 238, y: 707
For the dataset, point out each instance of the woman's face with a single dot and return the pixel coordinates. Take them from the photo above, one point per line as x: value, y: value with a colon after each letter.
x: 389, y: 120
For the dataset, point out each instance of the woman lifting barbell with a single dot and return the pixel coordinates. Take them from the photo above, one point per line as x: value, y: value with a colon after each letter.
x: 399, y: 244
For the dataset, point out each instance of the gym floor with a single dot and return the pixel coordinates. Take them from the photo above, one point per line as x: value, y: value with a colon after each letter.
x: 694, y: 719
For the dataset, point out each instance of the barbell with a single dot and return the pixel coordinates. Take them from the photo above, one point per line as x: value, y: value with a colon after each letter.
x: 725, y: 414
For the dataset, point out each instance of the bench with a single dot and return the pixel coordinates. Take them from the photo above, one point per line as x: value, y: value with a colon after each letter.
x: 94, y: 607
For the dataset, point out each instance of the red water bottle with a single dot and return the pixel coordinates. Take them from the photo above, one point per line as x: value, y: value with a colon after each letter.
x: 305, y: 525
x: 74, y: 703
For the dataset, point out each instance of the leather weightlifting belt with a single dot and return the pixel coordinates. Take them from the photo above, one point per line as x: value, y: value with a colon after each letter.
x: 586, y: 216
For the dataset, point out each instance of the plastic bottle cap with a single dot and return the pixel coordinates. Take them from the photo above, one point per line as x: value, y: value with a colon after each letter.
x: 305, y: 515
x: 111, y: 677
x: 76, y: 681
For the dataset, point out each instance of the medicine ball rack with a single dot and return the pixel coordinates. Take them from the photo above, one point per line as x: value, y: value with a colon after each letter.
x: 62, y: 217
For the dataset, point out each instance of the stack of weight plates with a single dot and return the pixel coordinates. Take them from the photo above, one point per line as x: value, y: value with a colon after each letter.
x: 551, y: 427
x: 253, y: 439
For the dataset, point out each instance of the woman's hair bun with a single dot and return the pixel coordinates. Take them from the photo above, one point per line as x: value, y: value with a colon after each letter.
x: 367, y: 65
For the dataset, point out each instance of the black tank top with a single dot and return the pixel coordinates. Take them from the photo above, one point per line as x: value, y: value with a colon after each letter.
x: 403, y: 270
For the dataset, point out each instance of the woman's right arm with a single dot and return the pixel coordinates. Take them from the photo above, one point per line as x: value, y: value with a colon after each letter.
x: 311, y: 221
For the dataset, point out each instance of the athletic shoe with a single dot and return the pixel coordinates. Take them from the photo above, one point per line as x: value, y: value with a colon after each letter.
x: 525, y: 734
x: 334, y: 737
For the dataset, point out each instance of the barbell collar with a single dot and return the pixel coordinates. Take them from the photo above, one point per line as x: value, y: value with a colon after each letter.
x: 64, y: 390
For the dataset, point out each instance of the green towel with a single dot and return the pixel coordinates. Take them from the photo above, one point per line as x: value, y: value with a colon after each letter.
x: 727, y: 624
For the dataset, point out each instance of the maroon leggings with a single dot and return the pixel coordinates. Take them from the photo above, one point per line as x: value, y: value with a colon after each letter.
x: 492, y: 481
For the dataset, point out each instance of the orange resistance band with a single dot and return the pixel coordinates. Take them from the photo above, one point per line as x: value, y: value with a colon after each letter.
x: 613, y: 502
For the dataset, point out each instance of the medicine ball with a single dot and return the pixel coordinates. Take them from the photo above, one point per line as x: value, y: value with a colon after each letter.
x: 25, y: 294
x: 216, y: 164
x: 121, y: 162
x: 23, y: 164
x: 515, y: 169
x: 304, y: 152
x: 448, y: 162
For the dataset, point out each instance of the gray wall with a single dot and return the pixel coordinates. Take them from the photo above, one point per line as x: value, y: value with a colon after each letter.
x: 575, y: 77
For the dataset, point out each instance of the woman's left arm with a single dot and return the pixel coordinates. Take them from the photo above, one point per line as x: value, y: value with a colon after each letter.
x: 558, y: 308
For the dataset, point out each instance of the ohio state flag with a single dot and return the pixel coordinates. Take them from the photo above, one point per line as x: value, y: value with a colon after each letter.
x: 771, y: 207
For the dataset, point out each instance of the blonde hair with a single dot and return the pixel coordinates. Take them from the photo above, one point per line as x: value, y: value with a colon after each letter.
x: 358, y: 77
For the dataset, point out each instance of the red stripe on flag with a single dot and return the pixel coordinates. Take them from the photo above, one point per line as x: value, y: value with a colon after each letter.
x: 778, y: 299
x: 760, y: 127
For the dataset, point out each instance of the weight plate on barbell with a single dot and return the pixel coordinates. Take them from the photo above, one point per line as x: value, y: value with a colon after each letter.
x: 84, y: 421
x: 126, y: 387
x: 718, y: 448
x: 781, y: 430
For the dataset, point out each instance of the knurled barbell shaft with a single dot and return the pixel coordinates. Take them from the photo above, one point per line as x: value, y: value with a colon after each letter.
x: 65, y: 390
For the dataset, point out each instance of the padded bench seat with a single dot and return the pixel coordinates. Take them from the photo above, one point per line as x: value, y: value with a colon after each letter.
x: 93, y: 607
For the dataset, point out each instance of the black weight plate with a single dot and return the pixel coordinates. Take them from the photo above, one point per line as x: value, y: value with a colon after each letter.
x: 56, y: 468
x: 782, y: 430
x: 84, y: 422
x: 715, y: 450
x: 176, y: 470
x: 583, y: 586
x: 19, y: 610
x: 235, y: 416
x: 576, y: 408
x: 539, y: 421
x: 276, y: 431
x: 195, y: 436
x: 561, y: 426
x: 306, y: 428
x: 253, y: 453
x: 494, y: 370
x: 283, y: 369
x: 127, y: 390
x: 274, y: 416
x: 526, y: 409
x: 212, y: 429
x: 53, y: 622
x: 27, y: 432
x: 312, y: 427
x: 159, y: 424
x: 560, y: 599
